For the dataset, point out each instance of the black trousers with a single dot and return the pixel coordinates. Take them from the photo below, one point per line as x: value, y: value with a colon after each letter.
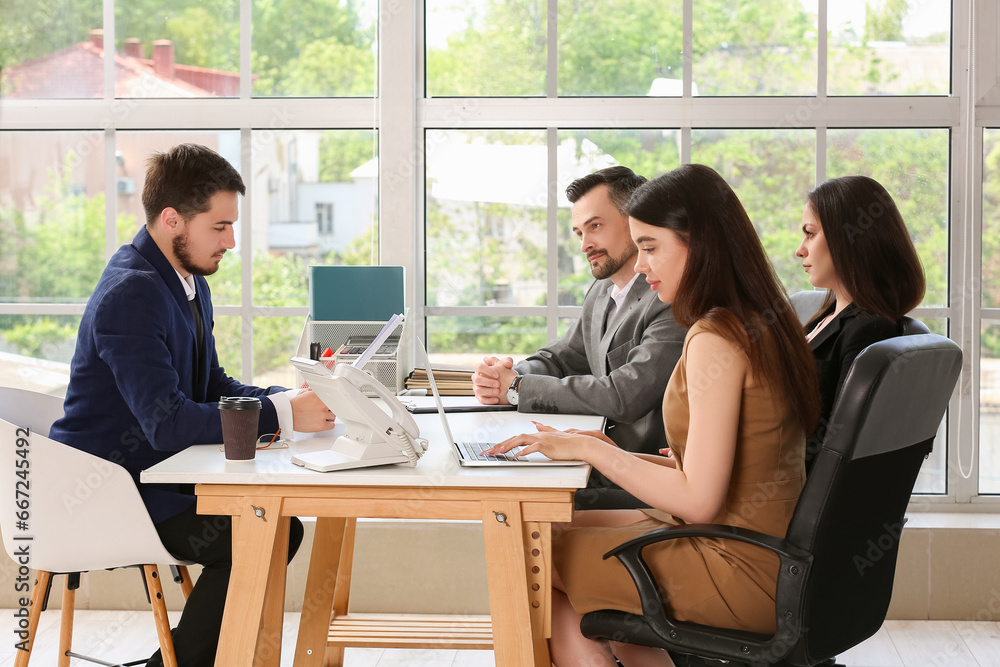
x: 208, y: 541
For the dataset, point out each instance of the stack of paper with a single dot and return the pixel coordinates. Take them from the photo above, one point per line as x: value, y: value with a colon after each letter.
x: 451, y: 381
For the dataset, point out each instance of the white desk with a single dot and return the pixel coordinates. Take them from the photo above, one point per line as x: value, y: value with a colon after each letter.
x: 516, y: 505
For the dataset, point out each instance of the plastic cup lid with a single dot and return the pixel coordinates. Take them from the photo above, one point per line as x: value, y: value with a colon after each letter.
x: 239, y: 403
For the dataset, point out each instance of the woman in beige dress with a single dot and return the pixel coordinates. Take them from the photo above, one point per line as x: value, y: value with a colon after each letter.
x: 736, y: 410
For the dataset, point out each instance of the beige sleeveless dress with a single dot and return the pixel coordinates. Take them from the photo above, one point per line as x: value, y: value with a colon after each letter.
x: 711, y: 581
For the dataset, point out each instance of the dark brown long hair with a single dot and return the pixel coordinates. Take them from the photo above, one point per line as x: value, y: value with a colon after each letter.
x: 729, y: 282
x: 871, y: 249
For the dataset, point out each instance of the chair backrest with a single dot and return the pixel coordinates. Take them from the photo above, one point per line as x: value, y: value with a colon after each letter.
x: 73, y: 511
x: 850, y: 513
x: 30, y: 409
x: 807, y: 303
x: 911, y: 327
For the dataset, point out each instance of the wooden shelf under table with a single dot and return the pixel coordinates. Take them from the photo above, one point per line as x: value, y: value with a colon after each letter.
x: 412, y: 631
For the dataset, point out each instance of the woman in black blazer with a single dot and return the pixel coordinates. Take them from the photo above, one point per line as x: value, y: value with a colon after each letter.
x: 856, y: 245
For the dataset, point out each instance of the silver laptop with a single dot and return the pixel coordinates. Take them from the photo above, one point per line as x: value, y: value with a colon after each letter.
x: 470, y: 453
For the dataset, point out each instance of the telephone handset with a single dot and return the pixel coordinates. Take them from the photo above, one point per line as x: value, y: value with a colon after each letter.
x: 373, y: 437
x: 400, y: 417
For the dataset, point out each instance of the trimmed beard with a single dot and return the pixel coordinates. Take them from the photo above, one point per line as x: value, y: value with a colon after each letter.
x: 614, y: 264
x: 183, y: 255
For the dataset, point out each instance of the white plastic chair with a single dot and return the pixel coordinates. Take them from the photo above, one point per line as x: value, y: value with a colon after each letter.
x: 79, y: 513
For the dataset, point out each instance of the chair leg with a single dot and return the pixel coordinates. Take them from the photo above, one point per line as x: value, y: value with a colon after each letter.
x: 152, y: 575
x: 42, y: 581
x: 66, y: 619
x: 181, y: 576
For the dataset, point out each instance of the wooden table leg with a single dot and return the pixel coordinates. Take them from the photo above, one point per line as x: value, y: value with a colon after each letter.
x: 255, y: 533
x: 503, y: 532
x: 537, y: 538
x: 342, y: 590
x: 268, y: 652
x: 328, y: 586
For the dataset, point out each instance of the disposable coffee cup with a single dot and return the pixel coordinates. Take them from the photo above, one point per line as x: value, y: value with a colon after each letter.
x: 240, y: 416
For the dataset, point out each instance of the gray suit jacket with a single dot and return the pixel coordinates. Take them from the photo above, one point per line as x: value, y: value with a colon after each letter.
x: 621, y: 374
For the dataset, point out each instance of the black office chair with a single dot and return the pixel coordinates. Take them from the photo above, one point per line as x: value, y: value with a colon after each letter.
x: 839, y: 555
x: 806, y: 305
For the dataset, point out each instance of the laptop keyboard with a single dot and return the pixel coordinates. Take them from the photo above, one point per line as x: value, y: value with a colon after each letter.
x: 474, y: 451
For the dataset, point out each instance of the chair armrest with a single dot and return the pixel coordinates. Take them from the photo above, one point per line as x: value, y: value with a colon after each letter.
x: 771, y: 543
x: 794, y: 559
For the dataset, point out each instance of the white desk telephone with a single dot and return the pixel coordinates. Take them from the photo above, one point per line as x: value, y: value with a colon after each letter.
x: 373, y: 436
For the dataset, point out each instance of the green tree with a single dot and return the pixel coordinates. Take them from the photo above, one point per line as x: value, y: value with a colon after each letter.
x: 740, y: 47
x: 31, y: 29
x: 763, y: 47
x: 55, y: 254
x: 312, y: 48
x: 279, y: 280
x: 991, y: 234
x: 610, y: 47
x: 771, y: 172
x: 205, y: 33
x: 502, y: 52
x: 618, y: 47
x: 299, y: 47
x: 205, y: 37
x: 361, y: 251
x: 913, y: 167
x: 884, y: 20
x: 343, y: 151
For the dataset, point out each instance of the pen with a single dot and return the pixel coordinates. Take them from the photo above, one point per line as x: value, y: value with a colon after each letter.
x: 329, y: 357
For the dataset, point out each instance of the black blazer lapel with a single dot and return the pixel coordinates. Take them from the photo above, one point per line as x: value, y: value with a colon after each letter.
x: 831, y: 329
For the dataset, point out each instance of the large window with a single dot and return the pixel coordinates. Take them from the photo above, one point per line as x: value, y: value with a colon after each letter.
x: 69, y: 198
x: 441, y: 135
x: 52, y: 225
x: 989, y: 345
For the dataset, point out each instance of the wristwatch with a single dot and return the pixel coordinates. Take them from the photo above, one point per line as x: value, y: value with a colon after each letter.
x: 512, y: 390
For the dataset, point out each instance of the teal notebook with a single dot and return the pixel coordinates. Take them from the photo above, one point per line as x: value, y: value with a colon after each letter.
x: 355, y: 293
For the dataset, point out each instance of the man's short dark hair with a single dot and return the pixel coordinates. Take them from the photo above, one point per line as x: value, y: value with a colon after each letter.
x: 185, y: 178
x: 621, y: 182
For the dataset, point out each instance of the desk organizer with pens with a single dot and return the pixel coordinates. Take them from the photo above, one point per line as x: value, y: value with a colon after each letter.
x: 390, y: 365
x: 348, y: 306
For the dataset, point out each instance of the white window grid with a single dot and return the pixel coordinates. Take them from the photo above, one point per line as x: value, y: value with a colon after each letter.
x: 402, y: 115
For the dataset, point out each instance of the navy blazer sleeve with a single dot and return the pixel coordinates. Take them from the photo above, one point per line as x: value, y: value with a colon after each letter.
x: 139, y: 336
x: 140, y: 388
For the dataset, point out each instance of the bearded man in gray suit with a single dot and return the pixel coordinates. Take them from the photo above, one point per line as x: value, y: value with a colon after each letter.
x: 615, y: 360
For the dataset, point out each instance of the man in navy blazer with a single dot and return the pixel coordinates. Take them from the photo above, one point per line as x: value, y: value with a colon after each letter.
x: 615, y: 360
x: 145, y: 378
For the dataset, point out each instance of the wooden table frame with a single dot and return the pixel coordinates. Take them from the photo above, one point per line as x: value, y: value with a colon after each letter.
x: 517, y: 534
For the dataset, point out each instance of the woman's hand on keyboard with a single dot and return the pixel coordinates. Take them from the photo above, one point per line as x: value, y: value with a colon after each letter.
x: 558, y: 445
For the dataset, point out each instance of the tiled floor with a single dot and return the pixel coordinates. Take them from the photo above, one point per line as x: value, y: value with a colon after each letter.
x: 127, y: 636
